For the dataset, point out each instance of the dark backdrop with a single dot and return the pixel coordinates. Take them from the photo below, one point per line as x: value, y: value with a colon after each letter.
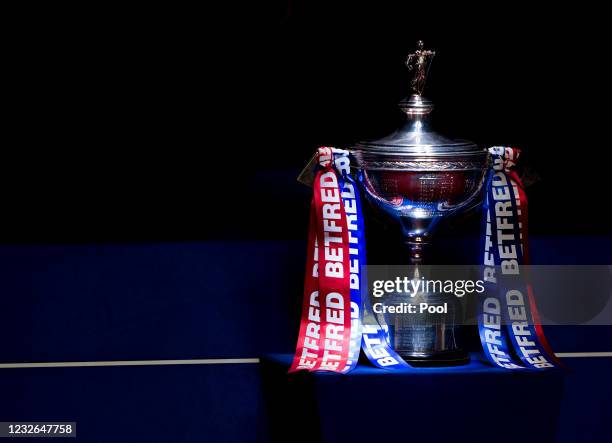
x: 138, y: 125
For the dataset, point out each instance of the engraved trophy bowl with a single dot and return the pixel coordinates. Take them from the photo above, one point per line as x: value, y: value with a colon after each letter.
x: 416, y: 177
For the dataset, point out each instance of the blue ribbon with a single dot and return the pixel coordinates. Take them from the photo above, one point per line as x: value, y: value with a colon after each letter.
x: 366, y: 331
x: 514, y: 342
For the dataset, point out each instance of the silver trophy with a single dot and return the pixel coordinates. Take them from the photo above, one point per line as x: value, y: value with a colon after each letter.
x: 416, y: 177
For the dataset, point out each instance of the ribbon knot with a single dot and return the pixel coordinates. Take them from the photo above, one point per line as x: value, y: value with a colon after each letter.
x: 504, y: 158
x: 325, y: 157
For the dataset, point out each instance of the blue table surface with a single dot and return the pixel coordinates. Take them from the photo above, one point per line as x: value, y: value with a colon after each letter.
x: 476, y: 366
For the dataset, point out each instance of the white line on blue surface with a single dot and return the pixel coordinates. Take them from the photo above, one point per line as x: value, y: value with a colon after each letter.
x: 582, y: 354
x: 79, y: 364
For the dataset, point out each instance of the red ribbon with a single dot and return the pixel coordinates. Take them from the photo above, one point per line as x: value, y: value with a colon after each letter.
x: 522, y: 206
x: 325, y: 329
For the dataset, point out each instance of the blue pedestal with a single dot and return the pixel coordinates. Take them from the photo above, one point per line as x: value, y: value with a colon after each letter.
x: 472, y: 403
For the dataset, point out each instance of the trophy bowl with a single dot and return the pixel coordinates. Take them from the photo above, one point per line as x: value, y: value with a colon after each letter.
x: 416, y: 177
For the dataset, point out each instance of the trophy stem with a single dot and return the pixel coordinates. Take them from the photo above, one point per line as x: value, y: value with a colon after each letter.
x: 416, y: 246
x: 424, y: 340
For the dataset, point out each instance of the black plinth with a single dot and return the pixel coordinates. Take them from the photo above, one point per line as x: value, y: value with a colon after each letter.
x: 474, y: 402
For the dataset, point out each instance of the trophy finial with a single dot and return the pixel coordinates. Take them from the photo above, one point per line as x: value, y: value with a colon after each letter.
x: 418, y: 64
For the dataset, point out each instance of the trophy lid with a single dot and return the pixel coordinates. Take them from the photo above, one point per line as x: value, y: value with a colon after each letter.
x: 414, y: 138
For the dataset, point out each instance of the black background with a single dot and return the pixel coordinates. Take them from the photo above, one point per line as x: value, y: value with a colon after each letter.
x: 140, y: 125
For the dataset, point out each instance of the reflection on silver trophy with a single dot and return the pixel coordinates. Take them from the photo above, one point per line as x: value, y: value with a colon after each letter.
x: 416, y: 177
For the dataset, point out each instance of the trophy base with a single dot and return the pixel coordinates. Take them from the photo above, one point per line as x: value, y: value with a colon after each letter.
x: 449, y: 358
